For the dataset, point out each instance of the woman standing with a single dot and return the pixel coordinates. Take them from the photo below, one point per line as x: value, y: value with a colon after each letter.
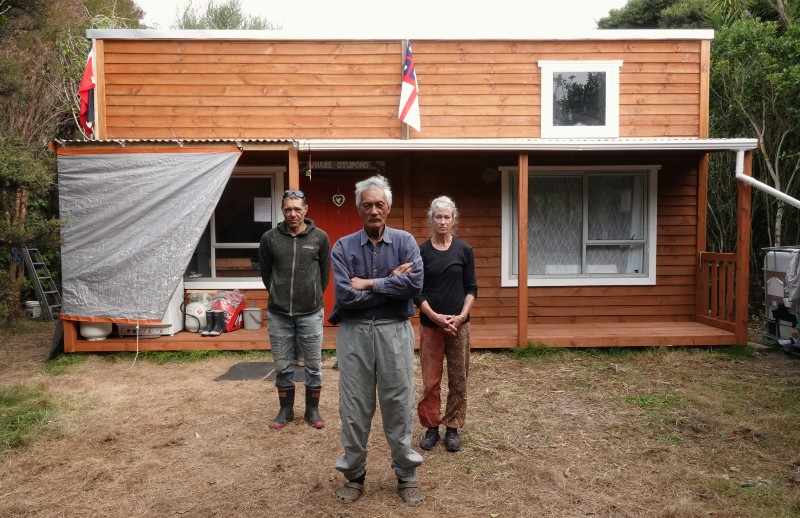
x: 448, y: 291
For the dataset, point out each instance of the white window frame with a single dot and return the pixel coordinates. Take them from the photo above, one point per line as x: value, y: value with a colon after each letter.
x: 508, y: 225
x: 276, y: 174
x: 611, y: 128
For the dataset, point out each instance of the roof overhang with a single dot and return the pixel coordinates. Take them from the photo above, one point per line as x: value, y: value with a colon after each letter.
x: 444, y: 32
x: 515, y: 145
x: 521, y: 145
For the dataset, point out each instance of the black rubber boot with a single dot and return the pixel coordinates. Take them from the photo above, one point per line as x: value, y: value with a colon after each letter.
x: 211, y: 318
x: 312, y: 416
x: 219, y: 323
x: 286, y: 413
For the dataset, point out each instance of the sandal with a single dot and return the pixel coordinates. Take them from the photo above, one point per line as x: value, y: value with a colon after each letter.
x: 350, y: 492
x: 410, y: 493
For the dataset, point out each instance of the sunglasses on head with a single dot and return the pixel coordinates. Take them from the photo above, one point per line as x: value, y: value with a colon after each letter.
x: 293, y: 192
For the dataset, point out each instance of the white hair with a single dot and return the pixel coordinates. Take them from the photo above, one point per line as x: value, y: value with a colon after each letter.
x: 376, y: 182
x: 442, y: 203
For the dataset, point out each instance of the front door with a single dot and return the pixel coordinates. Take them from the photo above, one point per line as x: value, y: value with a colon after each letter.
x: 332, y: 206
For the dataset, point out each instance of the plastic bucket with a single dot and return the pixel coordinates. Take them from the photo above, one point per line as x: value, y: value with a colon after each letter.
x: 33, y: 309
x: 252, y: 318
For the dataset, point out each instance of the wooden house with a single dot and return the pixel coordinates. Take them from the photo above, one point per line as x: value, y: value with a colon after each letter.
x: 609, y: 129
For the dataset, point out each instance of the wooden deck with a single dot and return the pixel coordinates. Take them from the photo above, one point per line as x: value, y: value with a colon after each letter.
x: 639, y: 334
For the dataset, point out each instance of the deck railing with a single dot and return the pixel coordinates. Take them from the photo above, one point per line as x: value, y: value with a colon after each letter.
x: 717, y: 290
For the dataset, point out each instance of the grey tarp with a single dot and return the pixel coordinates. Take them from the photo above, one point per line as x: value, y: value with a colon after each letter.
x: 131, y: 223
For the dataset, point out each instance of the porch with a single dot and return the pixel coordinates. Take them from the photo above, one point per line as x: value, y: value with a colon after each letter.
x: 496, y: 336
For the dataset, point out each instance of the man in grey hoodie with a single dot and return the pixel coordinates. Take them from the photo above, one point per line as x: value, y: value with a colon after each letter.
x: 295, y: 259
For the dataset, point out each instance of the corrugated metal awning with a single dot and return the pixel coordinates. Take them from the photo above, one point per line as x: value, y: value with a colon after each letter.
x: 516, y: 145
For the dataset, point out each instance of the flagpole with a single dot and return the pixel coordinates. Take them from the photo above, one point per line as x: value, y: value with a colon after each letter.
x: 404, y: 132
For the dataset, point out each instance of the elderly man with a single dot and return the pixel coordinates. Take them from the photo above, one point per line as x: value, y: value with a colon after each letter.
x: 377, y: 272
x: 295, y: 268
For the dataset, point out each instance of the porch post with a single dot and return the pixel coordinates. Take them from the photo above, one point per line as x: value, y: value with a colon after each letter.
x: 743, y: 250
x: 522, y: 251
x: 406, y: 193
x: 701, y: 241
x: 294, y: 169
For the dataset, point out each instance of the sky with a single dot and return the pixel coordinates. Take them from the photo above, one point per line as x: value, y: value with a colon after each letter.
x: 408, y: 18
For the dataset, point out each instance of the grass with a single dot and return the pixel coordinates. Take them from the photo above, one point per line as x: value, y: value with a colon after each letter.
x: 61, y: 363
x: 164, y: 357
x: 24, y: 414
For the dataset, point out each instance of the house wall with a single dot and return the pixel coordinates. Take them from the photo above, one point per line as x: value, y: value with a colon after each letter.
x: 350, y: 89
x: 473, y: 181
x: 474, y: 184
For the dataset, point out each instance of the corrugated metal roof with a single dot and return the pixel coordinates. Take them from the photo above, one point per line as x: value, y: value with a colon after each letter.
x: 615, y: 144
x: 611, y: 144
x: 122, y: 143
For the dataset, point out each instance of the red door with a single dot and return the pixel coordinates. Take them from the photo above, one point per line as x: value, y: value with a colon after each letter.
x: 332, y: 206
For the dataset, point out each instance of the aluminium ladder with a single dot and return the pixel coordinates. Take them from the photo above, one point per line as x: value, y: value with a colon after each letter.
x: 43, y: 283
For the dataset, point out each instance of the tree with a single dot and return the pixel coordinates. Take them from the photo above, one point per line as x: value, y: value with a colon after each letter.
x: 756, y: 73
x: 225, y: 15
x: 657, y: 14
x: 42, y: 54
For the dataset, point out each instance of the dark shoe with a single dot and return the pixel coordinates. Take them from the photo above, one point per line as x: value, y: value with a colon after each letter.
x: 312, y: 416
x: 219, y: 323
x: 452, y: 442
x: 286, y: 413
x: 430, y: 439
x: 335, y: 364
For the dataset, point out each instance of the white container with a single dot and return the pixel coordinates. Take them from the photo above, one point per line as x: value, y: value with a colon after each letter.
x: 252, y: 318
x: 95, y: 331
x: 33, y: 309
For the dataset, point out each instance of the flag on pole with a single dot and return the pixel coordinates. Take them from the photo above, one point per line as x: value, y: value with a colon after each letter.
x: 86, y: 93
x: 409, y: 95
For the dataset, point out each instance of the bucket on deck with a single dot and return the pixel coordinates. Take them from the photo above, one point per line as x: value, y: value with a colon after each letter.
x: 252, y: 318
x: 33, y: 309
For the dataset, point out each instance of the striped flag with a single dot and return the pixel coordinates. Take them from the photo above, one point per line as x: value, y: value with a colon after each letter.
x: 86, y: 93
x: 409, y: 95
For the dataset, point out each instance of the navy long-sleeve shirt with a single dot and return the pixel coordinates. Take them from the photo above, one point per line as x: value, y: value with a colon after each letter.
x: 391, y: 297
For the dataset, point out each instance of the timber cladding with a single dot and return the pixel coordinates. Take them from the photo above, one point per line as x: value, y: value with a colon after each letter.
x: 261, y: 89
x: 474, y: 184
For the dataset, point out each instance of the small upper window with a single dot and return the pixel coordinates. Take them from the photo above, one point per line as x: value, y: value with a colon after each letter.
x: 580, y: 99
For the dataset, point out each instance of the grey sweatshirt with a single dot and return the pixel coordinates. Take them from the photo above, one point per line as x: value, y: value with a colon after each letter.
x: 295, y: 269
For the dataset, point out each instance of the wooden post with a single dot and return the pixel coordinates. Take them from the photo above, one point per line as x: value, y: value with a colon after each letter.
x: 743, y: 251
x: 701, y: 288
x: 70, y: 335
x: 99, y: 61
x: 522, y: 251
x: 407, y: 194
x: 294, y: 169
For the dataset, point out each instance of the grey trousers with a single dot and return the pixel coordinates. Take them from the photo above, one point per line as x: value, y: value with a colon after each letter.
x: 376, y: 355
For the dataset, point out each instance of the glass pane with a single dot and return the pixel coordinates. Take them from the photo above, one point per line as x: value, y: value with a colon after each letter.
x: 579, y: 99
x: 200, y: 264
x: 235, y: 213
x: 616, y: 207
x: 237, y: 262
x: 554, y: 225
x: 615, y: 259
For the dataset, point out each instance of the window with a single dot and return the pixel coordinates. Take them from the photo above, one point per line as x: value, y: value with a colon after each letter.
x: 248, y: 207
x: 580, y: 99
x: 586, y: 226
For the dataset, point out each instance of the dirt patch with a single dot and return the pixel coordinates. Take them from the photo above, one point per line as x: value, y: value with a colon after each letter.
x: 657, y: 432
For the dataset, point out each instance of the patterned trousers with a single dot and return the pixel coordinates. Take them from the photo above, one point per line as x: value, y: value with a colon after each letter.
x: 436, y: 345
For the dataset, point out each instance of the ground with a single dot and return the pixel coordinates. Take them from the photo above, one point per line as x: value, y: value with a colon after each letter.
x: 681, y: 432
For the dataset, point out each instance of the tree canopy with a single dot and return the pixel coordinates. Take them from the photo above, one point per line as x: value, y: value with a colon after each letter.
x: 224, y: 15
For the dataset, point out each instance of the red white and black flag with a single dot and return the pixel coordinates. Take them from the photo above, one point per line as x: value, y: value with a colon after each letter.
x: 86, y: 93
x: 409, y: 95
